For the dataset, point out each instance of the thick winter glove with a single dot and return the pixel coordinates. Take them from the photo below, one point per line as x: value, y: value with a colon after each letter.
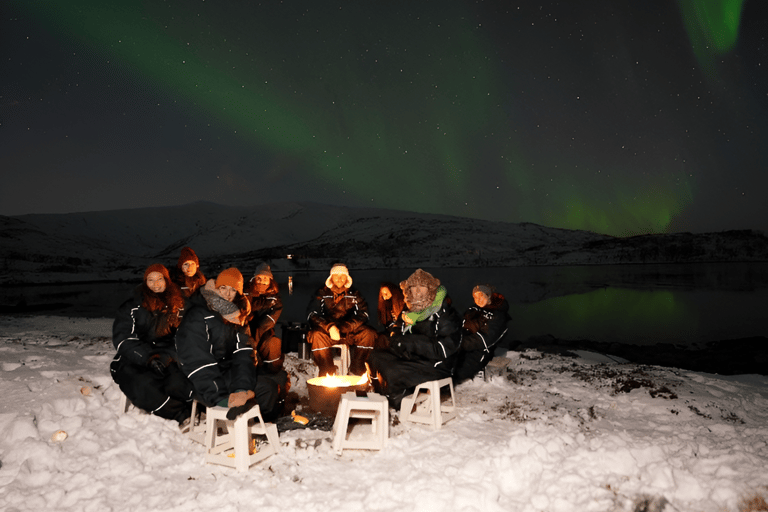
x: 157, y: 366
x: 238, y: 398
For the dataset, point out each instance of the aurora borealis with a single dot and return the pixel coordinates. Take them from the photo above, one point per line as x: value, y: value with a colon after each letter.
x: 615, y: 117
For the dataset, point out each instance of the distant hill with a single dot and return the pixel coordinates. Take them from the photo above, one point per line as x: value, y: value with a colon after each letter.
x: 119, y: 244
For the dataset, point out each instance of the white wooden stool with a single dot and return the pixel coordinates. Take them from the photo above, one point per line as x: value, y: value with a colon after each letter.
x: 425, y: 405
x: 341, y: 361
x: 373, y: 407
x: 196, y: 428
x: 125, y: 404
x: 224, y: 438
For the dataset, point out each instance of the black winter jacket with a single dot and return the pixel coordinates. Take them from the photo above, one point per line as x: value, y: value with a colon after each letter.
x: 346, y: 310
x: 265, y: 311
x: 215, y: 355
x: 484, y: 327
x: 138, y: 333
x: 434, y: 339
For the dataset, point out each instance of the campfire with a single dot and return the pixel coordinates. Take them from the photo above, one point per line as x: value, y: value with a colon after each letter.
x: 325, y: 392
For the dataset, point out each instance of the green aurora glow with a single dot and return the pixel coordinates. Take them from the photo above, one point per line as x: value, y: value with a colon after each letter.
x: 410, y: 111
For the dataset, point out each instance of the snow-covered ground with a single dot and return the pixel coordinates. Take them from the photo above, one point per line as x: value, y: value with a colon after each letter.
x: 554, y: 433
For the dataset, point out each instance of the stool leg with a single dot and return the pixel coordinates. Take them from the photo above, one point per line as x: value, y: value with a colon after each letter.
x: 340, y: 426
x: 242, y: 444
x: 437, y: 415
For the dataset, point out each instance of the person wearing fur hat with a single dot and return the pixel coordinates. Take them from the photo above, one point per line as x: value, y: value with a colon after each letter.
x: 266, y: 307
x: 145, y: 365
x: 391, y: 305
x: 338, y: 314
x: 425, y: 347
x: 215, y: 348
x: 484, y: 325
x: 187, y: 274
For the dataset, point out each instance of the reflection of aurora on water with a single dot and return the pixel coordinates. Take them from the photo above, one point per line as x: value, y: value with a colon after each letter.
x: 645, y: 317
x: 575, y: 117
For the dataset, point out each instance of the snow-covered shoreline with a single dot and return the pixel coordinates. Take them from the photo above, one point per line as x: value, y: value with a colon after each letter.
x: 556, y: 433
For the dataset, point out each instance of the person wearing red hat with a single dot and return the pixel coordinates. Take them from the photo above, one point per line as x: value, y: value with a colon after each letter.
x: 145, y: 365
x: 338, y: 314
x: 187, y: 274
x: 216, y: 350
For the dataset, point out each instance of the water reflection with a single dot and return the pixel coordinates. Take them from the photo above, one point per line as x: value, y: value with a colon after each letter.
x: 641, y: 304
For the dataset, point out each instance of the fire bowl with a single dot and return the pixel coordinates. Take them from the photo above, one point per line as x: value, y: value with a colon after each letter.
x: 325, y: 392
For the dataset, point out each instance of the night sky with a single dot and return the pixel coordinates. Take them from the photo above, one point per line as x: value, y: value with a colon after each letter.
x: 620, y: 117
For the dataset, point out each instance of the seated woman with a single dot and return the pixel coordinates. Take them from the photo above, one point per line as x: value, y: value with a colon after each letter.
x: 485, y: 324
x: 266, y: 307
x: 187, y: 274
x: 391, y: 305
x: 425, y: 347
x: 215, y: 348
x: 145, y: 366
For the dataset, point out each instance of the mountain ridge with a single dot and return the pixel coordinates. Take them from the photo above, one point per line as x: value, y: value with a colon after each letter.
x: 116, y: 244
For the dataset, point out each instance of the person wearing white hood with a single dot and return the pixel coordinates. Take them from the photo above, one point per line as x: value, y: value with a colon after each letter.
x: 338, y: 314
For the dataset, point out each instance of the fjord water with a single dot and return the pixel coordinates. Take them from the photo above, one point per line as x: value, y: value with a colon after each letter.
x: 682, y: 304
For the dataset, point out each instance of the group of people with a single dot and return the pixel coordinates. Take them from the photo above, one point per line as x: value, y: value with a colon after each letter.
x: 180, y: 337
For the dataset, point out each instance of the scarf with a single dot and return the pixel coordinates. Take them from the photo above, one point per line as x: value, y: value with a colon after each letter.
x: 217, y: 303
x: 419, y: 316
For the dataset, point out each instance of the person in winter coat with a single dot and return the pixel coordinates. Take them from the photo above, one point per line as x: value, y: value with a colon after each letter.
x: 215, y: 348
x: 145, y: 365
x: 425, y: 347
x: 391, y: 305
x: 338, y: 314
x: 484, y: 325
x: 187, y: 274
x: 266, y: 307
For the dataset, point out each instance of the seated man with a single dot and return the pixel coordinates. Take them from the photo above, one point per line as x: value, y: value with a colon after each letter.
x: 215, y: 349
x: 426, y: 346
x: 337, y: 315
x: 485, y: 324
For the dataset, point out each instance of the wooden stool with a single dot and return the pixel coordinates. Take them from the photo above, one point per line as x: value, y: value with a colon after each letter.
x: 425, y: 405
x: 373, y: 407
x: 125, y: 404
x: 224, y: 438
x: 341, y: 361
x: 197, y: 427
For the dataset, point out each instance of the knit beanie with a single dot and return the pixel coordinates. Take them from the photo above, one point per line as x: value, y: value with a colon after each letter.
x: 157, y: 267
x: 485, y: 289
x: 262, y: 269
x: 339, y: 268
x: 230, y: 277
x: 187, y: 254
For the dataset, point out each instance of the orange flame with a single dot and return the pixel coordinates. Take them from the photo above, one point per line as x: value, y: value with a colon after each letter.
x: 339, y: 381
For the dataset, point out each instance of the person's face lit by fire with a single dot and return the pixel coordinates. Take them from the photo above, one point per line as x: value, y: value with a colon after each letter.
x: 262, y: 283
x: 156, y: 282
x: 419, y: 298
x: 385, y: 293
x: 481, y: 299
x: 189, y: 268
x: 338, y: 280
x: 226, y: 292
